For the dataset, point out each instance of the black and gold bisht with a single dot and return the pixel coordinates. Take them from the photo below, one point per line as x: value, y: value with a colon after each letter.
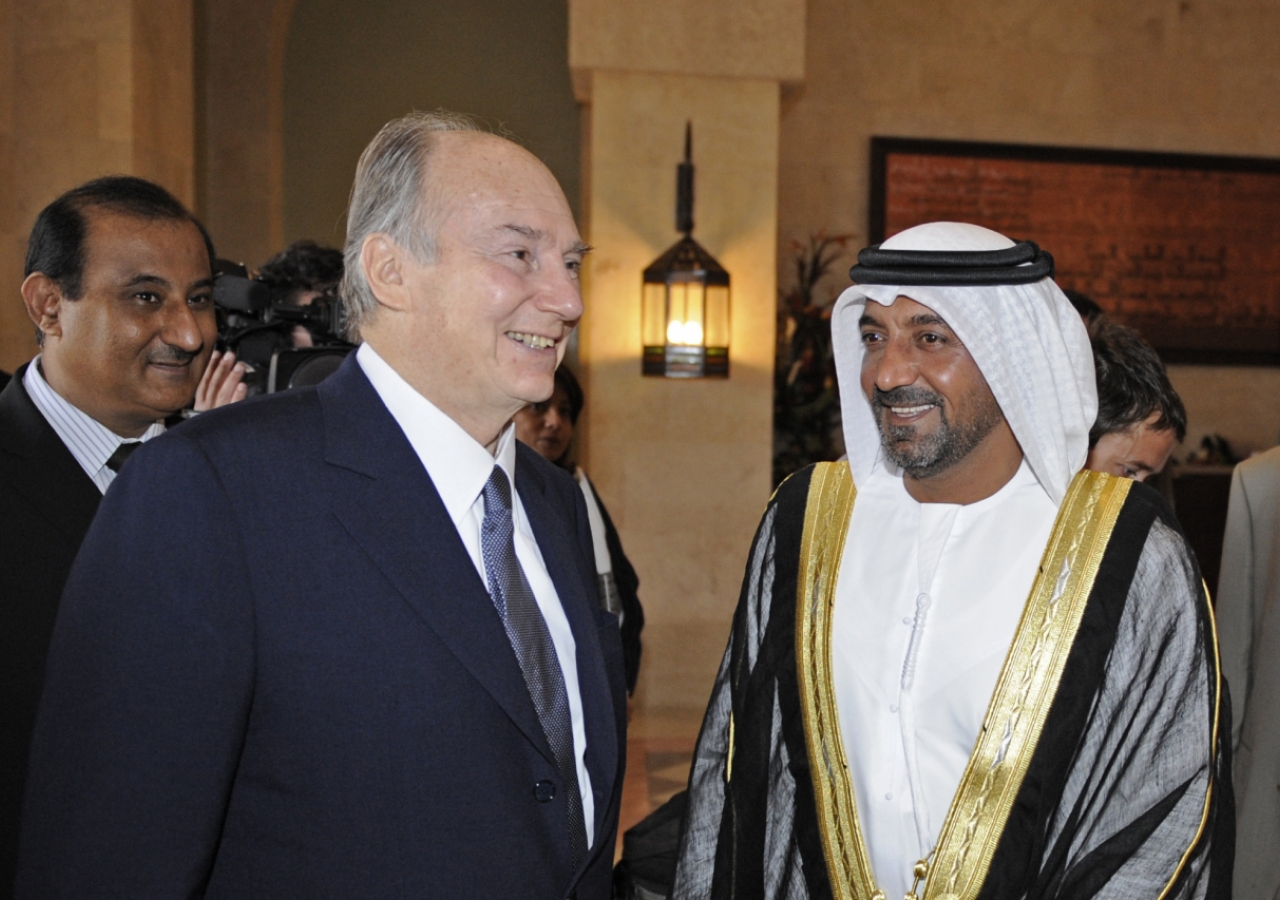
x: 1100, y: 769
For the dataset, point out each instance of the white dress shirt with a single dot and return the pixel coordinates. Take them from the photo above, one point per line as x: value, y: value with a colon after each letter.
x: 89, y: 441
x: 459, y: 467
x: 928, y: 598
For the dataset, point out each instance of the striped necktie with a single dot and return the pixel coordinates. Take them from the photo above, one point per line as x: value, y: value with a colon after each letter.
x: 527, y: 631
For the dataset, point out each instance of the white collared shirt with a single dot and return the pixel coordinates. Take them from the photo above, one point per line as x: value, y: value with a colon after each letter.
x: 90, y: 442
x: 459, y: 467
x: 957, y: 577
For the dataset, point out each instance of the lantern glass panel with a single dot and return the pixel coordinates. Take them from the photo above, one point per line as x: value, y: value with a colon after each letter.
x: 694, y: 320
x: 653, y: 318
x: 675, y: 312
x: 717, y: 316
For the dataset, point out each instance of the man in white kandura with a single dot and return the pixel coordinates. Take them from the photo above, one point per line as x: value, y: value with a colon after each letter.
x: 961, y: 667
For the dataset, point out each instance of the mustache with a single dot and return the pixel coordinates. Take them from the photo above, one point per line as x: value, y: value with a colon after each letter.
x: 167, y: 354
x: 906, y: 395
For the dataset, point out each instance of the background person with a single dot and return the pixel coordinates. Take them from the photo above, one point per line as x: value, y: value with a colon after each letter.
x: 548, y: 427
x: 299, y: 274
x: 1140, y: 416
x: 1249, y: 630
x: 118, y: 281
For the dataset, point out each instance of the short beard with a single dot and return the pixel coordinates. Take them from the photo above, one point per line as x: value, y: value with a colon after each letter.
x: 932, y: 454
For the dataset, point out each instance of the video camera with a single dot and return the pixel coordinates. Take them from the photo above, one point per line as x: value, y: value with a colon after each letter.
x: 256, y: 322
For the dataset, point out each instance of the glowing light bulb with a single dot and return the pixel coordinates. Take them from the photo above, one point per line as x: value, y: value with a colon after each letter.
x: 675, y: 332
x: 693, y: 333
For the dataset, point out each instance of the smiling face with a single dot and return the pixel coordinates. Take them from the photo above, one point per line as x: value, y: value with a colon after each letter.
x: 481, y: 329
x: 131, y: 349
x: 1138, y: 452
x: 938, y: 420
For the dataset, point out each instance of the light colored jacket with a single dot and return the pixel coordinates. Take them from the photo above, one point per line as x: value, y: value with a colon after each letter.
x: 1248, y: 608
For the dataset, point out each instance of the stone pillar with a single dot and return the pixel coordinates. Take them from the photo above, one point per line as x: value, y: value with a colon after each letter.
x: 87, y: 88
x: 683, y: 465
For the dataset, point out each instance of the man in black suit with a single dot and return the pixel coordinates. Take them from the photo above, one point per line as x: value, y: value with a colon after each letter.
x: 316, y: 645
x: 118, y: 282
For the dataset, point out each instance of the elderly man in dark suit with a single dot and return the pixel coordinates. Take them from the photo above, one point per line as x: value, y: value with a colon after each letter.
x: 344, y: 641
x: 118, y: 281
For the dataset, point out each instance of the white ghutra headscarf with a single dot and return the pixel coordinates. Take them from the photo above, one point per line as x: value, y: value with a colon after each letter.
x: 1028, y: 341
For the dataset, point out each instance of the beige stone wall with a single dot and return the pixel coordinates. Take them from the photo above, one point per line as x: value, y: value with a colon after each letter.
x: 737, y: 38
x: 1241, y: 403
x: 87, y: 88
x: 163, y: 95
x: 683, y: 465
x: 1145, y: 75
x: 349, y: 68
x: 240, y: 186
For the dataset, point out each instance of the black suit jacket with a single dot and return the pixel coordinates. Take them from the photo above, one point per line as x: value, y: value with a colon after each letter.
x: 46, y: 505
x: 277, y: 673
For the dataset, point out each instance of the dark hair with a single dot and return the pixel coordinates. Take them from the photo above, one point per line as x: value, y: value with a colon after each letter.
x: 1089, y: 311
x: 56, y: 245
x: 566, y: 380
x: 303, y: 266
x: 1132, y: 385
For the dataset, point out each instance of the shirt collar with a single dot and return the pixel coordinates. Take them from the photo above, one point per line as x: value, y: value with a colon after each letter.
x: 1024, y: 478
x: 458, y: 465
x: 90, y: 442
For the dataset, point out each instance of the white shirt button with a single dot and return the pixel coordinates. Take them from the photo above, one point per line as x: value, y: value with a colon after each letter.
x: 893, y: 707
x: 906, y: 620
x: 888, y: 796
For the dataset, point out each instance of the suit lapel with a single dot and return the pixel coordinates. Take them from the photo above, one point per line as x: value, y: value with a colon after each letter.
x: 559, y: 548
x: 47, y: 474
x: 392, y: 510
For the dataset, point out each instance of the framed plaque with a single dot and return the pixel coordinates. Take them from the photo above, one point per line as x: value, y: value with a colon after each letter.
x: 1185, y: 248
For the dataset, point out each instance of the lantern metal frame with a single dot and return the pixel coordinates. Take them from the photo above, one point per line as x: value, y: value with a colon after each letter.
x: 685, y: 305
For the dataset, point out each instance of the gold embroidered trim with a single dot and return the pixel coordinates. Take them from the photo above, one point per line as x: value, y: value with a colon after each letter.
x: 733, y: 746
x: 1027, y: 685
x: 1213, y: 745
x: 1019, y: 704
x: 826, y: 522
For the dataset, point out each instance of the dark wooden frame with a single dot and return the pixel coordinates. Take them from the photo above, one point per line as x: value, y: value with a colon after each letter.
x: 1179, y: 343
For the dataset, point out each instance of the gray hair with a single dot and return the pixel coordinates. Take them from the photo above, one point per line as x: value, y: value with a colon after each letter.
x: 388, y: 197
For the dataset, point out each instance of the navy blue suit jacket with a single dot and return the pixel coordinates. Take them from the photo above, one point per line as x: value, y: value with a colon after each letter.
x: 277, y: 673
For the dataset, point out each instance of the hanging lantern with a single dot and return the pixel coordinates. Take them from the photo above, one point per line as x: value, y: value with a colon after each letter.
x: 685, y: 306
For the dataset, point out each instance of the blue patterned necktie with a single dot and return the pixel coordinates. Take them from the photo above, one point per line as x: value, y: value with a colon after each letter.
x: 527, y: 631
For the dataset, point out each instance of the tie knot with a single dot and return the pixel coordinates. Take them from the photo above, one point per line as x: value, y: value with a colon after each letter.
x: 497, y: 492
x: 123, y: 452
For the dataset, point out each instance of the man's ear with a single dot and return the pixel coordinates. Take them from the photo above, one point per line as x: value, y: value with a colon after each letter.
x: 383, y: 261
x: 43, y: 299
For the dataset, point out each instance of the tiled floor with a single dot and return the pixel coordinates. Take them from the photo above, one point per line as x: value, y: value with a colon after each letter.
x: 659, y: 748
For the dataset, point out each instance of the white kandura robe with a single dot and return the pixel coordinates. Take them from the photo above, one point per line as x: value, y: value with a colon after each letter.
x: 956, y: 579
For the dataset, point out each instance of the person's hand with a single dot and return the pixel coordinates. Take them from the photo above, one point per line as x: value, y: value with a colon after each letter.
x: 222, y: 382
